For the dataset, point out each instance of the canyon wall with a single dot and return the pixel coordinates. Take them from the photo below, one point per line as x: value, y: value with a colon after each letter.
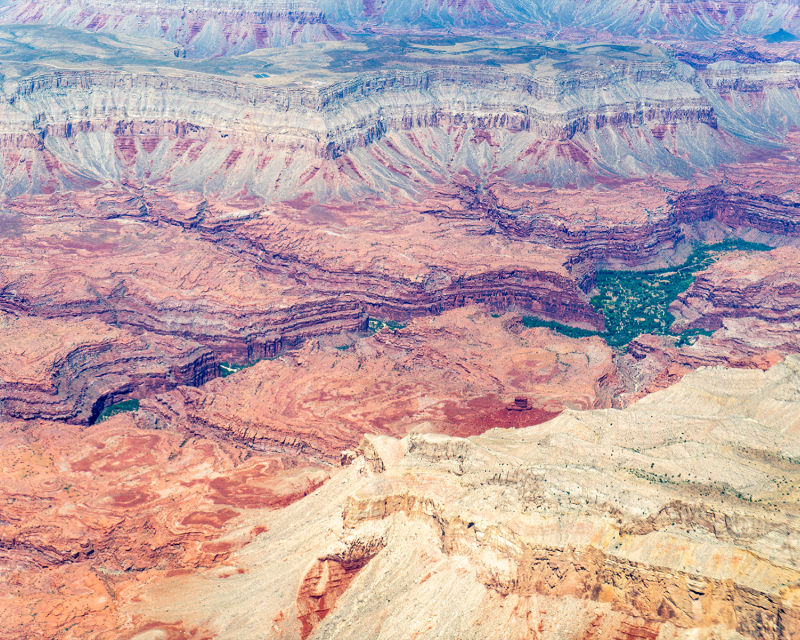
x: 198, y: 30
x: 591, y: 517
x: 747, y: 286
x: 239, y: 27
x: 71, y: 370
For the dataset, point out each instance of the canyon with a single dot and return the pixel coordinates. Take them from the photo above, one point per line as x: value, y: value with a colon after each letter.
x: 588, y: 520
x: 325, y: 320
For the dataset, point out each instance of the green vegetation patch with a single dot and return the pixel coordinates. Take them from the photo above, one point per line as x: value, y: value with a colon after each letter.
x: 637, y: 302
x: 120, y: 407
x: 376, y: 325
x: 572, y: 332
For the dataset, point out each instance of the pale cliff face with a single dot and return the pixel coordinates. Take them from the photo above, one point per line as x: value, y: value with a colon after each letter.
x: 676, y: 517
x: 348, y: 120
x: 364, y: 212
x: 214, y: 28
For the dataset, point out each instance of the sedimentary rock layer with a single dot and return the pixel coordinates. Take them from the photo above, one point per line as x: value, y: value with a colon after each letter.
x: 198, y: 29
x: 89, y: 513
x: 461, y: 373
x: 676, y: 517
x: 400, y: 122
x: 72, y: 369
x: 652, y: 363
x: 240, y: 26
x: 763, y: 286
x: 249, y: 284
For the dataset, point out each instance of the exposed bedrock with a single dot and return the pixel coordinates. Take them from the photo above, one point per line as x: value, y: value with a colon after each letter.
x: 251, y: 288
x: 238, y: 26
x: 676, y: 517
x: 737, y: 208
x: 652, y: 363
x: 545, y: 218
x: 460, y: 373
x: 407, y: 137
x: 88, y: 513
x: 657, y: 594
x: 201, y: 30
x: 221, y: 136
x: 71, y: 370
x: 626, y: 117
x: 762, y: 286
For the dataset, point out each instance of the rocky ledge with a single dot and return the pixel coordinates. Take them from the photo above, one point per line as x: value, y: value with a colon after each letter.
x: 684, y: 528
x: 71, y: 370
x: 761, y: 285
x: 458, y: 373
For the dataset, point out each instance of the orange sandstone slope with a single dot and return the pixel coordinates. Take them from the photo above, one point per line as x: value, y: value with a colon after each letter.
x: 675, y: 518
x: 459, y: 373
x: 90, y: 514
x: 71, y: 369
x: 86, y: 514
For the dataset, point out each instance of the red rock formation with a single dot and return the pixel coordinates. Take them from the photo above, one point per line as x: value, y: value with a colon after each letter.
x: 321, y: 587
x: 751, y: 285
x: 673, y: 516
x: 652, y: 363
x: 72, y: 369
x: 251, y: 288
x: 453, y: 374
x: 88, y: 514
x: 77, y: 501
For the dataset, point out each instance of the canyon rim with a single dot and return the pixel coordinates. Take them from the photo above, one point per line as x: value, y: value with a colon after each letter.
x: 394, y: 319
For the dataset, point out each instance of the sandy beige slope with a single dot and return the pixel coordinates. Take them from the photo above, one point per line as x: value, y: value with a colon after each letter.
x: 674, y: 518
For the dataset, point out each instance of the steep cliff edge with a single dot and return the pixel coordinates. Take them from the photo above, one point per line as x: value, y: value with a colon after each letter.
x: 71, y: 370
x: 350, y: 120
x: 676, y: 517
x: 242, y: 25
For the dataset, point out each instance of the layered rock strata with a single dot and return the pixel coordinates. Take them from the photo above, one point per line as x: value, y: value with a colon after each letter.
x: 252, y: 284
x: 242, y: 25
x: 198, y: 29
x: 482, y: 144
x: 72, y: 369
x: 546, y: 113
x: 676, y: 517
x: 458, y: 373
x: 89, y: 513
x: 652, y: 363
x: 759, y: 285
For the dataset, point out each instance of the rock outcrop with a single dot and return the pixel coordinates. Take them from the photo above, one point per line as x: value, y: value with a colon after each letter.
x: 456, y: 373
x: 251, y: 286
x: 242, y: 25
x: 652, y: 363
x: 71, y: 370
x: 88, y: 514
x: 676, y: 517
x: 193, y: 29
x: 344, y: 122
x: 760, y: 285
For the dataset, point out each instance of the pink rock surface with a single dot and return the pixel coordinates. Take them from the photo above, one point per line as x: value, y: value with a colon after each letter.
x: 89, y: 514
x: 72, y: 369
x: 750, y: 285
x: 461, y: 373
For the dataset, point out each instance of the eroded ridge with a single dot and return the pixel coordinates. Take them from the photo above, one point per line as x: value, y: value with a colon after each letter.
x: 676, y: 517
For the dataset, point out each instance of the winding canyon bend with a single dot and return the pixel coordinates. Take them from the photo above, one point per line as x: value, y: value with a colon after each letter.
x: 399, y: 320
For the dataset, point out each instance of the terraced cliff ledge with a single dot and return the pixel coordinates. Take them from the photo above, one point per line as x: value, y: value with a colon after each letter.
x: 674, y: 518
